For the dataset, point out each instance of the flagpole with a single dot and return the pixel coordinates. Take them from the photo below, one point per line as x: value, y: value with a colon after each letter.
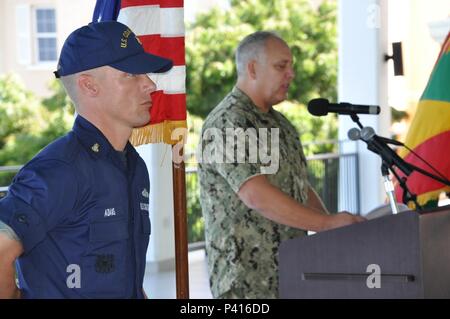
x: 135, y: 14
x: 180, y: 221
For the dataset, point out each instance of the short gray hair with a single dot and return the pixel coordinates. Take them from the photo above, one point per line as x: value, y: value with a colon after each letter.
x: 69, y: 82
x: 251, y: 48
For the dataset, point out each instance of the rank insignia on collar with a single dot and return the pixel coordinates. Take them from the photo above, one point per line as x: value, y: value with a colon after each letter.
x: 95, y: 148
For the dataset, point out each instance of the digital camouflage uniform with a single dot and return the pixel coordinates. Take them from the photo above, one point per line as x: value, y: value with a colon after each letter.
x: 241, y: 244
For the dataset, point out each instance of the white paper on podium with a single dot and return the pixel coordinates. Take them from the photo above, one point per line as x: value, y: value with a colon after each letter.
x: 385, y: 210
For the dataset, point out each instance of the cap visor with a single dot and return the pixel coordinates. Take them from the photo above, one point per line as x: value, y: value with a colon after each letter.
x: 143, y: 63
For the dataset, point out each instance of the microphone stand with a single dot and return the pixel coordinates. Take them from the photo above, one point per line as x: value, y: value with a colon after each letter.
x: 408, y: 196
x: 389, y: 187
x: 404, y: 167
x: 387, y: 163
x: 389, y: 160
x: 355, y: 119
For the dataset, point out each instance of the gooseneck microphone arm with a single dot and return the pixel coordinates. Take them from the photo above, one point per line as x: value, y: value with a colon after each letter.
x: 407, y: 196
x: 355, y: 119
x: 379, y: 146
x: 389, y: 158
x: 428, y: 174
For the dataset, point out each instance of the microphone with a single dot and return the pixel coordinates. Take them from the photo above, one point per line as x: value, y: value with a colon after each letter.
x: 321, y: 107
x: 354, y: 134
x: 378, y: 144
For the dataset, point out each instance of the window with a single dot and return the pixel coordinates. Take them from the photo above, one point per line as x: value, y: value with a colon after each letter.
x: 45, y: 32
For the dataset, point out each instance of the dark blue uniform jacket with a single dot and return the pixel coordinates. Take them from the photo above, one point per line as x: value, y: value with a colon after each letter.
x: 81, y: 213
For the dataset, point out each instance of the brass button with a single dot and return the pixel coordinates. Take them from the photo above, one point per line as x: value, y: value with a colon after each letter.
x: 95, y: 148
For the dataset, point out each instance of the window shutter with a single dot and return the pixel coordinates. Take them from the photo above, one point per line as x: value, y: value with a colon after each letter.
x: 23, y: 29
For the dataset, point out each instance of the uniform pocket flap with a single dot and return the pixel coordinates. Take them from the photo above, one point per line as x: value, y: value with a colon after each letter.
x: 108, y: 230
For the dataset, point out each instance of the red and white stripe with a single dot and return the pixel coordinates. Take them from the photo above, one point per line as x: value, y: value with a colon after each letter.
x: 159, y: 24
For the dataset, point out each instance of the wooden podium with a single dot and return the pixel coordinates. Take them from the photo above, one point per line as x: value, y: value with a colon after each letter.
x: 411, y: 250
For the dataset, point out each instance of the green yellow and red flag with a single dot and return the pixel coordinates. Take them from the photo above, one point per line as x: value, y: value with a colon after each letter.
x: 429, y: 134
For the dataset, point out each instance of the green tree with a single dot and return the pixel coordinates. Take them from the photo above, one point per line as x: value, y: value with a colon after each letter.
x: 18, y: 117
x: 311, y: 129
x: 210, y: 45
x: 16, y: 107
x: 213, y: 37
x: 59, y: 101
x: 27, y: 124
x: 61, y: 111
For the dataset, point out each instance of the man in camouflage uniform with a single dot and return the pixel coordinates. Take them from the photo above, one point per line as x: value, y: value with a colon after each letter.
x: 248, y: 206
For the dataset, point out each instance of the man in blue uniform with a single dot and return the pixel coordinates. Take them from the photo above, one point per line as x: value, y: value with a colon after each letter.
x: 75, y: 221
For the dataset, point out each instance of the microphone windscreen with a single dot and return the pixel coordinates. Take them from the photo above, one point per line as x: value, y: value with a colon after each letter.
x: 318, y: 107
x: 367, y: 133
x: 374, y: 109
x: 354, y: 134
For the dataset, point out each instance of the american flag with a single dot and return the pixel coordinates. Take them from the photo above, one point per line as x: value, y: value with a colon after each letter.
x: 159, y: 25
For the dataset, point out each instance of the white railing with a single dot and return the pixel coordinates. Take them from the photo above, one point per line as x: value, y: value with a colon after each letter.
x: 3, y: 169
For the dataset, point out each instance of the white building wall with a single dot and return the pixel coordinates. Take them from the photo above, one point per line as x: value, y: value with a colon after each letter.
x: 70, y: 15
x: 158, y: 158
x: 363, y: 80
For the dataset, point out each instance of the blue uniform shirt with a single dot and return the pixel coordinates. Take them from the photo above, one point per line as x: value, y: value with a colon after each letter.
x: 81, y: 214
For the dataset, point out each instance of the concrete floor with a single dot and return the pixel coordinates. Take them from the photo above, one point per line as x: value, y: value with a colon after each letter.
x: 161, y: 284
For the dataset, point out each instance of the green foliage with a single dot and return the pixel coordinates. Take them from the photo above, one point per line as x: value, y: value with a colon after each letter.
x: 194, y: 124
x: 210, y: 45
x: 311, y: 129
x: 59, y: 115
x: 195, y: 220
x: 16, y: 108
x: 212, y: 39
x: 194, y: 210
x: 27, y: 125
x: 59, y: 101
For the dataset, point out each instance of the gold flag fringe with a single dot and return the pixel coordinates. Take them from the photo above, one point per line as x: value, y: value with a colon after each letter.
x: 168, y: 132
x: 422, y: 199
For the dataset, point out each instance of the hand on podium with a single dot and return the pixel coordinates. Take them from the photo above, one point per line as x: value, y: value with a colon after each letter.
x: 342, y: 219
